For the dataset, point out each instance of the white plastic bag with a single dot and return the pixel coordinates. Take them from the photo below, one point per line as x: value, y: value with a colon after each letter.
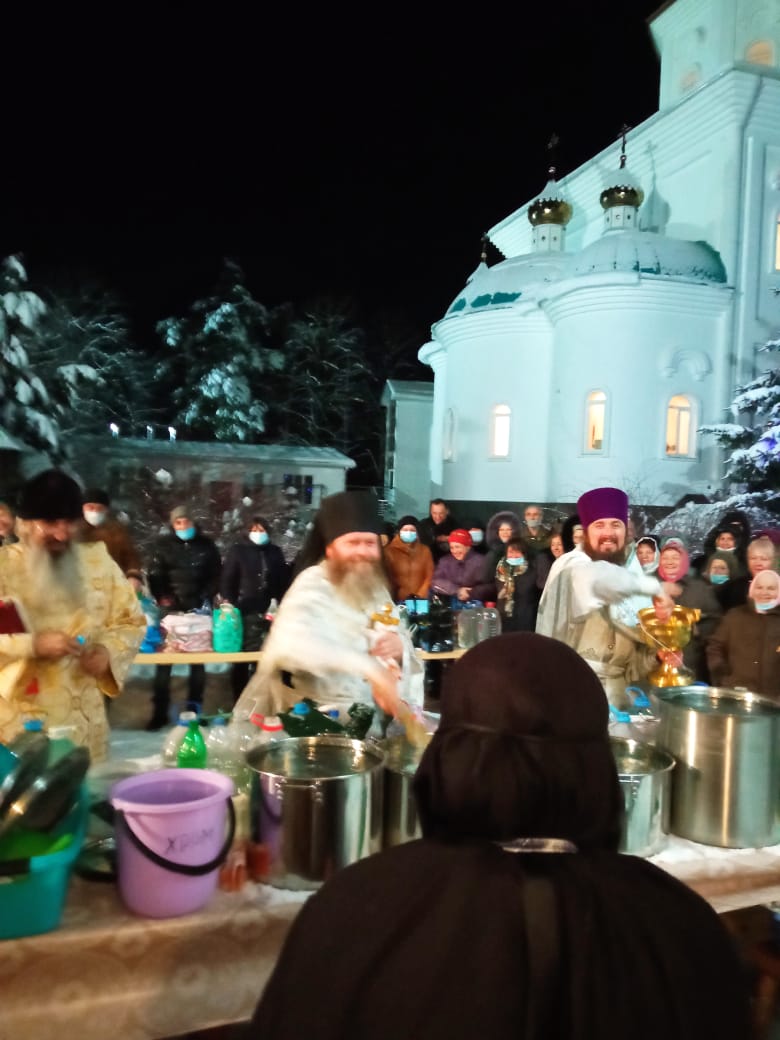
x: 187, y: 633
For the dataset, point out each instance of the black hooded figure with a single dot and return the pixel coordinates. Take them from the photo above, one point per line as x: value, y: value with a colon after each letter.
x: 514, y: 917
x: 567, y: 531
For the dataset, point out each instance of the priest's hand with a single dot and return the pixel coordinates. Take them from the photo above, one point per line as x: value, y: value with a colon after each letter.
x: 95, y: 660
x: 54, y: 645
x: 388, y: 644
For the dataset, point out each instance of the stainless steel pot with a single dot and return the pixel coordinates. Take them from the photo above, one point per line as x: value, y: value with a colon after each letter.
x: 725, y: 785
x: 644, y: 773
x: 401, y: 822
x: 316, y: 806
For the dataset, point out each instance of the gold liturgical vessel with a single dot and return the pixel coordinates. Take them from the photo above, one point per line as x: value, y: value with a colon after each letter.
x: 671, y: 634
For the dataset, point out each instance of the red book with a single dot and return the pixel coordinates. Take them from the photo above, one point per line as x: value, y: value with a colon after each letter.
x: 10, y: 619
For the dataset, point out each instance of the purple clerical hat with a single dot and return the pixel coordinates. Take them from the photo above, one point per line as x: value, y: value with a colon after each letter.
x: 604, y: 503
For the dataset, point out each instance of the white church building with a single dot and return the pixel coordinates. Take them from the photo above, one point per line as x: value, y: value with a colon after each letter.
x: 633, y: 296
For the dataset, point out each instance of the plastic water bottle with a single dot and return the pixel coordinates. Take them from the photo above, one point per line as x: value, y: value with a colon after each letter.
x: 467, y: 625
x: 270, y: 731
x: 192, y: 752
x: 488, y: 622
x: 175, y: 737
x: 218, y: 750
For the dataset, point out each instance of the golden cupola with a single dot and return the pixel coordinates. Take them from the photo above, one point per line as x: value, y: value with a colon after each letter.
x: 622, y: 196
x: 548, y: 215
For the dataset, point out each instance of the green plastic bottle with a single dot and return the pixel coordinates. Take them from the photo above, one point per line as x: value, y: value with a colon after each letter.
x: 192, y: 750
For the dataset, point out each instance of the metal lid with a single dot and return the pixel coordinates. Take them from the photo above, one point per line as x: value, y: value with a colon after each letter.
x: 719, y: 700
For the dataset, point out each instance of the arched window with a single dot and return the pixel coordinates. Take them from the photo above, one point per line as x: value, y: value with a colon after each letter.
x: 760, y: 52
x: 681, y: 426
x: 448, y: 435
x: 595, y: 421
x: 500, y: 428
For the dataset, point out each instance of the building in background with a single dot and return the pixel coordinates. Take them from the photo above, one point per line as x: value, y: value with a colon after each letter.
x: 634, y: 295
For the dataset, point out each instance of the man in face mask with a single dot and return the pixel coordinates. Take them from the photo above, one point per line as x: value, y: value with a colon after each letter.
x: 183, y: 575
x: 581, y: 600
x: 99, y: 525
x: 532, y: 531
x: 254, y: 572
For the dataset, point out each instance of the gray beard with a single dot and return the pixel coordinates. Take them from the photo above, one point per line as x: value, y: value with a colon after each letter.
x: 360, y: 585
x: 55, y: 587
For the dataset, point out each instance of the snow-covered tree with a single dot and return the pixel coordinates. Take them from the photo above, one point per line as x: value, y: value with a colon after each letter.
x: 216, y: 361
x: 28, y: 411
x: 85, y: 355
x: 326, y: 392
x: 753, y: 440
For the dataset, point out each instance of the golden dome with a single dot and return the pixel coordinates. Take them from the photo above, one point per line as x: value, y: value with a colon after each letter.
x: 622, y: 195
x: 551, y: 207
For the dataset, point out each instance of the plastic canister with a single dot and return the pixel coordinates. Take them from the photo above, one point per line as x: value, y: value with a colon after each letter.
x: 467, y: 625
x: 488, y: 622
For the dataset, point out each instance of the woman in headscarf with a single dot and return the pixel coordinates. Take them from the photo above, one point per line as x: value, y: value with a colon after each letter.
x: 743, y: 649
x: 514, y: 916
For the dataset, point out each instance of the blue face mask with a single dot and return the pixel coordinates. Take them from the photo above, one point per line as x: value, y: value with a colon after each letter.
x: 719, y: 579
x: 765, y: 606
x: 408, y: 536
x: 187, y: 534
x: 476, y: 537
x: 259, y: 537
x: 515, y: 561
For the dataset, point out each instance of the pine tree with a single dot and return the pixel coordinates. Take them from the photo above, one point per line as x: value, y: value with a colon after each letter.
x: 753, y: 464
x: 216, y: 362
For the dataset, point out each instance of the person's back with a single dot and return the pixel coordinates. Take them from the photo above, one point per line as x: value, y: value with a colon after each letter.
x: 515, y: 916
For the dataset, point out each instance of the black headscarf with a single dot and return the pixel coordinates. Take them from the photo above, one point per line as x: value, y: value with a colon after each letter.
x: 456, y: 936
x: 522, y: 749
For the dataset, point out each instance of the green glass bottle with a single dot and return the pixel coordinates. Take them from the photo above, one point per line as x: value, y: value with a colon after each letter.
x: 192, y: 751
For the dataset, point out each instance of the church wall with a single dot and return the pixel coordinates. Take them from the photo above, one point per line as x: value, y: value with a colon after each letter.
x: 497, y: 361
x: 640, y: 345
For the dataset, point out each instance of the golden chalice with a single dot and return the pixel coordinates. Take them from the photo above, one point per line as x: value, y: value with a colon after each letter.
x: 670, y: 634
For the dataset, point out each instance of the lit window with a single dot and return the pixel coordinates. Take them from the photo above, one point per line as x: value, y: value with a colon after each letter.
x: 680, y: 427
x: 500, y: 428
x: 448, y: 438
x: 596, y: 414
x: 761, y: 52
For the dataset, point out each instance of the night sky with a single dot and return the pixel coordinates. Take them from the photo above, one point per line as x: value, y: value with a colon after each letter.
x: 358, y: 157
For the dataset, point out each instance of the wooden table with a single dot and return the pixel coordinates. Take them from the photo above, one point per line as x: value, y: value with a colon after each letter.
x: 211, y: 657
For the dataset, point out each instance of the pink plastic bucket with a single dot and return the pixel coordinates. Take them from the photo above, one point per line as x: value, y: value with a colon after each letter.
x: 173, y: 830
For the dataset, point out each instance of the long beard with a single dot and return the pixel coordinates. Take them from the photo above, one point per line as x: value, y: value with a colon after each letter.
x: 55, y: 588
x: 618, y: 556
x: 361, y: 585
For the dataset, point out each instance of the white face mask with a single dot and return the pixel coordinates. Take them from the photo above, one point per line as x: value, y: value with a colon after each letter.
x: 476, y: 537
x: 408, y: 536
x: 94, y: 516
x: 258, y: 537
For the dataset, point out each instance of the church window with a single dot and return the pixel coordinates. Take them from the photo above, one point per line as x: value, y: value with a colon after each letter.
x: 595, y: 420
x: 500, y: 426
x: 448, y: 435
x: 680, y: 426
x: 760, y: 52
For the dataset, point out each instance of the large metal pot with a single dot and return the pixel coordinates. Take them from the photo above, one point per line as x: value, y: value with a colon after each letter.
x: 316, y: 806
x: 644, y: 773
x: 401, y: 822
x: 725, y: 785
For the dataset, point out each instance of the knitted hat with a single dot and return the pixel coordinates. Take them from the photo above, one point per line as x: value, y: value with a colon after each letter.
x: 606, y: 503
x: 179, y: 513
x: 96, y: 495
x: 51, y: 495
x: 726, y: 557
x: 460, y: 536
x: 407, y: 521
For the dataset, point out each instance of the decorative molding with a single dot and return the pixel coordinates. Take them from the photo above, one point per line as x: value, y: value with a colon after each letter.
x: 673, y: 359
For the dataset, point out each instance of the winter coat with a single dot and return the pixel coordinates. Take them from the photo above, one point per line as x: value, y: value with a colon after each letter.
x: 743, y: 651
x: 429, y: 532
x: 252, y: 575
x: 409, y: 568
x: 526, y: 589
x: 186, y: 573
x: 538, y: 539
x: 700, y: 594
x: 116, y: 538
x: 450, y: 575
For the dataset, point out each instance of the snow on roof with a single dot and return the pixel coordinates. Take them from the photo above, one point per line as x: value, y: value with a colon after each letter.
x: 505, y: 282
x: 649, y: 253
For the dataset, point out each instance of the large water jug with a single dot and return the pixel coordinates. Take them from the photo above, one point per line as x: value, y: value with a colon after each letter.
x: 467, y: 625
x: 488, y: 622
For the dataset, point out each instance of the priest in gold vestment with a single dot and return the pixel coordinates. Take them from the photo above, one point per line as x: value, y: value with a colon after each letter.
x: 81, y: 623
